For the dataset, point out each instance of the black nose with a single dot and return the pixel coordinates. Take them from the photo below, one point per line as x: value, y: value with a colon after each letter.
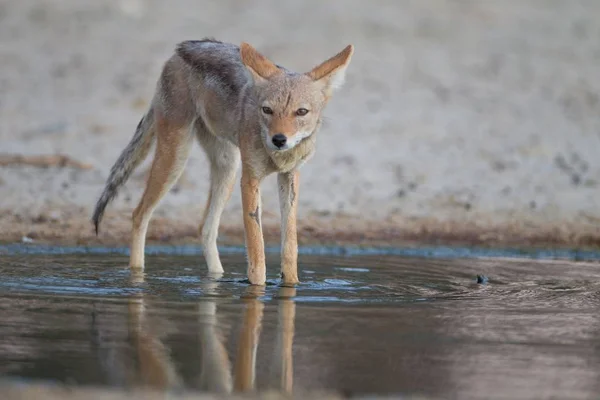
x: 279, y: 140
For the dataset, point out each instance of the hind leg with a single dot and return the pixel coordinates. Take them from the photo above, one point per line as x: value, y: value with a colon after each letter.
x: 224, y: 158
x: 172, y: 151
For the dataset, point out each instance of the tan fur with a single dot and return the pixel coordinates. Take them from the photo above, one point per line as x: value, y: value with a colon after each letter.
x: 259, y: 65
x: 288, y: 200
x: 235, y: 101
x: 325, y: 69
x: 172, y: 151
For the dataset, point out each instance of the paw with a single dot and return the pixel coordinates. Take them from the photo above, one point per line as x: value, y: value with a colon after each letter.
x: 215, y: 268
x: 136, y: 265
x: 213, y: 261
x: 257, y: 276
x: 289, y: 278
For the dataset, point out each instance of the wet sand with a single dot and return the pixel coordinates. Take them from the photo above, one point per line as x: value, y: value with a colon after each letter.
x: 467, y: 122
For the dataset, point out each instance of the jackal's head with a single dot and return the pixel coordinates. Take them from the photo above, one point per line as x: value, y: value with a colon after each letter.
x: 290, y: 104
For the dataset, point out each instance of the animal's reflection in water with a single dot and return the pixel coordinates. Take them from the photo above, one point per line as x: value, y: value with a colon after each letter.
x: 154, y: 365
x: 155, y: 368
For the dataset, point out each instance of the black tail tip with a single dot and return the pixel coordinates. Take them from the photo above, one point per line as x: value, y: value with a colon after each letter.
x: 96, y: 221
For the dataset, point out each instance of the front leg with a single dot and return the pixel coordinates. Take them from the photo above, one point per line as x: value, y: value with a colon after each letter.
x: 288, y: 201
x: 255, y: 245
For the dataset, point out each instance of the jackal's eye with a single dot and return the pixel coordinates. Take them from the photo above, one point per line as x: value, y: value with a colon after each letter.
x: 301, y: 111
x: 267, y: 110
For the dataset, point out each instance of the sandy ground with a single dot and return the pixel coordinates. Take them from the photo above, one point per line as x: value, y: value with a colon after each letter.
x: 474, y: 121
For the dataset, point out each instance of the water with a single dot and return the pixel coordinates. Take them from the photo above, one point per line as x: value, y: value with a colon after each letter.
x: 355, y: 325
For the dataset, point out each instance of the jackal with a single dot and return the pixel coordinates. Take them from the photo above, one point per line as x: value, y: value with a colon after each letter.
x: 244, y: 109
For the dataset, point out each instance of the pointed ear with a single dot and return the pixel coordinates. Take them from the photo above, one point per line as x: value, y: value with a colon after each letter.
x: 260, y: 66
x: 332, y: 72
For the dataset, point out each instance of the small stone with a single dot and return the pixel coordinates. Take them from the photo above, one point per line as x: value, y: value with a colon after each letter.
x: 482, y: 279
x: 26, y: 239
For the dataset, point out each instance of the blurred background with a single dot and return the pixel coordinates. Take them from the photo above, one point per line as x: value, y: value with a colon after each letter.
x: 474, y: 121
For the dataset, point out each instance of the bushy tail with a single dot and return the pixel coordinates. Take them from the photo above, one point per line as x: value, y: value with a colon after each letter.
x: 135, y: 152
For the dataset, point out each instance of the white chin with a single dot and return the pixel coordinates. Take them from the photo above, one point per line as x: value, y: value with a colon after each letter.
x: 272, y: 147
x: 284, y: 148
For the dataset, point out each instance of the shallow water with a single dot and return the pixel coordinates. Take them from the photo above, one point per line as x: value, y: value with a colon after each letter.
x: 355, y: 325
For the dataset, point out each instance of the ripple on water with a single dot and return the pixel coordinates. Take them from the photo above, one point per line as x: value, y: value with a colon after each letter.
x: 356, y: 279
